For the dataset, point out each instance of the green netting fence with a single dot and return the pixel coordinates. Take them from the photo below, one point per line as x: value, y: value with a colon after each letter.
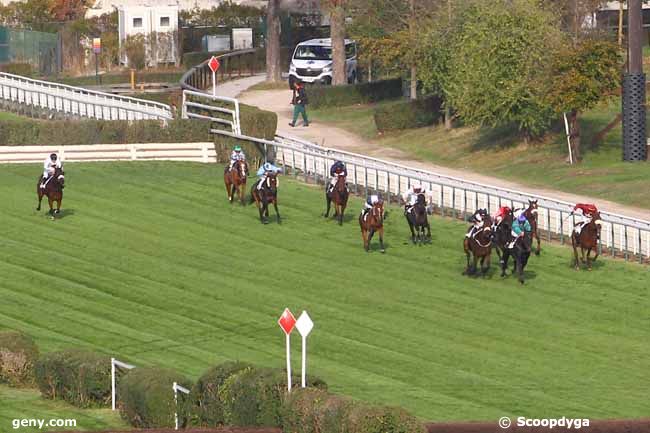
x: 39, y: 49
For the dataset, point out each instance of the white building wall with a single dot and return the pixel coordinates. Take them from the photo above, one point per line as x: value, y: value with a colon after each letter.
x: 146, y: 20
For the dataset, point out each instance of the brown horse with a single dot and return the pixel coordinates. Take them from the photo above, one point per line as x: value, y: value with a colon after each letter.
x: 267, y: 194
x: 339, y: 195
x: 587, y: 240
x: 531, y: 216
x: 480, y: 247
x: 53, y: 190
x: 372, y: 222
x: 235, y: 180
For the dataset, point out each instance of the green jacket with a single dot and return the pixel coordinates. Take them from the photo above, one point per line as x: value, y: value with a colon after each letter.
x: 518, y: 227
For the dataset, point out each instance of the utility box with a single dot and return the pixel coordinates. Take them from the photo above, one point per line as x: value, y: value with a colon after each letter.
x: 242, y: 39
x: 212, y: 43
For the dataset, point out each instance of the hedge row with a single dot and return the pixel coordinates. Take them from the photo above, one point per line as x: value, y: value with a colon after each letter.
x: 364, y: 93
x: 408, y: 114
x: 312, y: 410
x: 18, y: 354
x: 79, y: 377
x: 24, y: 69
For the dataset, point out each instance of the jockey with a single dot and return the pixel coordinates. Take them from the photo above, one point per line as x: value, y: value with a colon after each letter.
x: 585, y: 213
x: 337, y: 169
x: 370, y: 202
x: 236, y: 155
x: 519, y: 227
x: 410, y: 197
x: 266, y: 169
x: 477, y: 219
x: 50, y: 165
x: 501, y: 214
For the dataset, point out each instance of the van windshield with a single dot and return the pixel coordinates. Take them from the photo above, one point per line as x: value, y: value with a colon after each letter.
x: 313, y: 52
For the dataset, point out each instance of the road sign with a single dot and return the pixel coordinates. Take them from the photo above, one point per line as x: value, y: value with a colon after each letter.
x: 97, y: 45
x: 214, y: 64
x: 287, y: 321
x: 304, y: 325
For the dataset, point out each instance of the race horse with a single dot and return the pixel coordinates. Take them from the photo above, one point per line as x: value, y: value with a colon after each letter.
x: 416, y: 216
x: 531, y: 216
x: 339, y: 195
x: 267, y: 194
x: 53, y: 190
x: 502, y: 237
x: 587, y: 240
x: 235, y: 180
x: 479, y: 245
x: 372, y: 222
x: 520, y: 252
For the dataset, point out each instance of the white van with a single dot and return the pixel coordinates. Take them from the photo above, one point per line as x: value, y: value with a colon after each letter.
x: 312, y: 62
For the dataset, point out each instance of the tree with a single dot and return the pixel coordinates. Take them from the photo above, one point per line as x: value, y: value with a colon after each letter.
x: 273, y: 73
x: 337, y: 11
x: 68, y: 10
x: 501, y: 52
x: 582, y: 77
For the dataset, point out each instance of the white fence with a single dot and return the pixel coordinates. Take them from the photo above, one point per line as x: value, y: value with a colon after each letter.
x: 621, y: 235
x: 194, y: 152
x: 77, y: 101
x: 200, y: 105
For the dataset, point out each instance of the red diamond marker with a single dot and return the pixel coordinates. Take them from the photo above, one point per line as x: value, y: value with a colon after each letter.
x: 287, y: 321
x: 214, y: 64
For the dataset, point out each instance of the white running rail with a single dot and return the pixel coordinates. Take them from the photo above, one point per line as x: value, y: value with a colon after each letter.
x: 77, y: 101
x: 218, y: 109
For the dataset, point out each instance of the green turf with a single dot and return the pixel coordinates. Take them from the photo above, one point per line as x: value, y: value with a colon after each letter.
x: 500, y: 153
x: 27, y: 404
x: 151, y: 265
x: 10, y: 116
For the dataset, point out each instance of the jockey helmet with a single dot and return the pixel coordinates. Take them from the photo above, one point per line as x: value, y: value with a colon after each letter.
x: 417, y: 188
x: 521, y: 218
x: 237, y: 149
x: 267, y: 166
x: 53, y: 156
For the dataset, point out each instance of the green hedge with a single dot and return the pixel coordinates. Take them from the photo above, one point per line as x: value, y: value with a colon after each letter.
x: 78, y: 377
x: 146, y: 398
x: 408, y: 114
x: 207, y: 408
x: 62, y: 132
x: 24, y: 69
x: 18, y: 354
x: 364, y: 93
x: 197, y: 57
x: 315, y: 411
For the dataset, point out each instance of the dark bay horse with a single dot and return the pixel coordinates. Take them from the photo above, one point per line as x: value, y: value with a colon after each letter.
x: 53, y: 190
x: 416, y: 216
x: 587, y: 240
x: 267, y: 194
x: 373, y: 222
x: 520, y: 252
x: 339, y: 195
x: 235, y: 180
x: 480, y: 247
x: 531, y: 216
x: 502, y: 237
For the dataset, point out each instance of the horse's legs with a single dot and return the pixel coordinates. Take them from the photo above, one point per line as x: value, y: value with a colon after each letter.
x: 589, y: 259
x: 40, y: 198
x: 488, y: 260
x: 408, y: 220
x: 366, y: 242
x: 428, y: 230
x: 539, y: 247
x: 381, y: 240
x: 503, y: 261
x: 520, y: 269
x: 328, y: 201
x: 341, y: 211
x: 277, y: 212
x: 50, y: 202
x: 58, y: 205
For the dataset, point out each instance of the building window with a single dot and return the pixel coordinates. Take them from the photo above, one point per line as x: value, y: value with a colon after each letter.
x: 164, y: 21
x: 137, y: 22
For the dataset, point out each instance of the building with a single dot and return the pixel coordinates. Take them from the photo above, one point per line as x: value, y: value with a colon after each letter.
x: 101, y: 7
x: 159, y: 26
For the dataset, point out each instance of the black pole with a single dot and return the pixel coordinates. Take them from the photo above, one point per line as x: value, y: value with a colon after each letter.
x: 635, y: 143
x: 96, y: 69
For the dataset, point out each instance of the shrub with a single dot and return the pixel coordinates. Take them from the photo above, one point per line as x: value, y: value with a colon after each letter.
x: 78, y: 377
x: 18, y: 354
x: 364, y: 419
x: 197, y: 57
x: 207, y: 408
x: 147, y: 399
x: 364, y: 93
x: 255, y: 396
x: 66, y: 132
x: 135, y: 48
x: 24, y: 69
x: 408, y: 114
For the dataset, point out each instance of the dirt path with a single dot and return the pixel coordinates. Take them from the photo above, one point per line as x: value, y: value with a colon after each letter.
x: 330, y: 136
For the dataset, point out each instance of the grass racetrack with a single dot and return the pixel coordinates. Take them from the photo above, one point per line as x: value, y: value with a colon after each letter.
x: 150, y: 264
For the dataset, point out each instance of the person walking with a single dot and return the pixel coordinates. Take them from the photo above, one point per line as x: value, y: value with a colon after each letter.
x: 299, y: 101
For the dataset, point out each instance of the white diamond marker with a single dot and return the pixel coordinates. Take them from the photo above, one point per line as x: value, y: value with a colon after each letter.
x: 304, y: 325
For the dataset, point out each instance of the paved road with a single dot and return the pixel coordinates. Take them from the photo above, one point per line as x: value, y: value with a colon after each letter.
x: 326, y: 135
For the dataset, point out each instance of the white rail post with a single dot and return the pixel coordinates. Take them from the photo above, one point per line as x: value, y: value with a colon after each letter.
x: 116, y: 363
x: 176, y: 387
